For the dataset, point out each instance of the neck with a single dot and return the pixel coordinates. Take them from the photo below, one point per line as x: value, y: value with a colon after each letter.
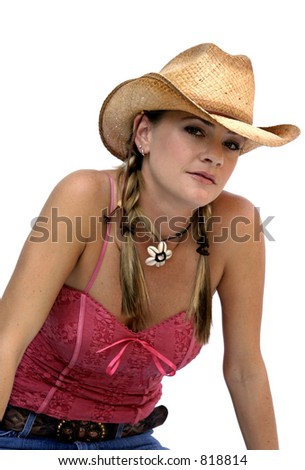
x: 167, y: 224
x: 167, y: 215
x: 167, y: 219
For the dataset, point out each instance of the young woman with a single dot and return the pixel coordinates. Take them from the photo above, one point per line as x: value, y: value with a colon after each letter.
x: 113, y: 287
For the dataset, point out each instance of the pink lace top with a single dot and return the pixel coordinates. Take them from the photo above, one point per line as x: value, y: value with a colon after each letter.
x: 85, y: 364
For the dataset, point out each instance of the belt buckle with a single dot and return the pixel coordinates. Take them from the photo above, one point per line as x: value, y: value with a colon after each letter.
x: 81, y: 431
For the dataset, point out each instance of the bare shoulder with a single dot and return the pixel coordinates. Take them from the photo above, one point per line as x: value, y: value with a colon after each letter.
x: 232, y: 205
x: 84, y: 185
x: 76, y: 202
x: 80, y: 193
x: 236, y: 239
x: 234, y: 219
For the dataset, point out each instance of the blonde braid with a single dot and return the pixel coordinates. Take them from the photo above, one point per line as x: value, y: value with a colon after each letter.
x: 135, y: 298
x: 200, y: 307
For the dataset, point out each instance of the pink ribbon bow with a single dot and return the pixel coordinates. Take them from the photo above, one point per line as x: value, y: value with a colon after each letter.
x: 157, y: 357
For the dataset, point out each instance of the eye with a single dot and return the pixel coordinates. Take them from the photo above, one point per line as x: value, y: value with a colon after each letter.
x: 196, y: 131
x: 232, y: 145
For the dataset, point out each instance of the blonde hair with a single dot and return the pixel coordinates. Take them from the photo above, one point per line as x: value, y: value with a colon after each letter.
x: 135, y: 298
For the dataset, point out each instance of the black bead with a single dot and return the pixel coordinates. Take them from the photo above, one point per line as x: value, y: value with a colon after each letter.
x: 203, y: 246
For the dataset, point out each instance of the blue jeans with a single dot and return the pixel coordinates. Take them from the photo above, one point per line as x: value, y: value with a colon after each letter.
x: 22, y: 441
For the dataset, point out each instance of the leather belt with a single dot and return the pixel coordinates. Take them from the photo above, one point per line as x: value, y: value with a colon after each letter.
x: 15, y: 418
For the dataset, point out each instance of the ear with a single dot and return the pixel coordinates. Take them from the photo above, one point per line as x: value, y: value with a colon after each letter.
x: 142, y: 129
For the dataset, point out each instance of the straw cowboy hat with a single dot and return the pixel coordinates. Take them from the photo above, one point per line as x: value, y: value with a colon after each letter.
x: 204, y: 81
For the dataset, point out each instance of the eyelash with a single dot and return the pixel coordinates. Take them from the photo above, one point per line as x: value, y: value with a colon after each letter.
x: 231, y: 143
x: 197, y: 132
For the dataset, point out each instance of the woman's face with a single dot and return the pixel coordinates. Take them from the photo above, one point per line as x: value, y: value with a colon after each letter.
x: 187, y: 160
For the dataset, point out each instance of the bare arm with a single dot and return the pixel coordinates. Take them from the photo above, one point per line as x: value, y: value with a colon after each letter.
x: 42, y: 268
x: 241, y: 294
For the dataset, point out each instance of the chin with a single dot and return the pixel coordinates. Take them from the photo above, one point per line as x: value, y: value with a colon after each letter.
x: 204, y: 200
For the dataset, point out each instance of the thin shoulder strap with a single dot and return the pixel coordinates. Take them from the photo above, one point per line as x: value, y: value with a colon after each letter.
x: 103, y: 250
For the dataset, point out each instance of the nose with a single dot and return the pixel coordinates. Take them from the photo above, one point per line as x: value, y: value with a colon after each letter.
x: 214, y: 159
x: 212, y: 152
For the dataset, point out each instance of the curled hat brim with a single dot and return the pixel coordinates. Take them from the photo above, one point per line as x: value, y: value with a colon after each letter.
x: 154, y: 92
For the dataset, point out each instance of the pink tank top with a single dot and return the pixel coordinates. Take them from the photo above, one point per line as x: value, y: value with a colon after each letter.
x: 85, y: 364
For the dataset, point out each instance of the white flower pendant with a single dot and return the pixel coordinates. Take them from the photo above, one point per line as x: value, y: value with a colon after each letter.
x: 159, y: 255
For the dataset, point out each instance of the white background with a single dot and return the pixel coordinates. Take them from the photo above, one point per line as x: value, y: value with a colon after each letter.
x: 59, y: 60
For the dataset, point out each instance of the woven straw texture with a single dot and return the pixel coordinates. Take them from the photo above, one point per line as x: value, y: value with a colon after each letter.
x: 204, y: 81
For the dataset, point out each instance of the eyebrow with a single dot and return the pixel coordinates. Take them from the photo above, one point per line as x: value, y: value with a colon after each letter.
x: 211, y: 124
x: 208, y: 123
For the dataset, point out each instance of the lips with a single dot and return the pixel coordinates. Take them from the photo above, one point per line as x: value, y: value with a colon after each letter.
x: 203, y: 176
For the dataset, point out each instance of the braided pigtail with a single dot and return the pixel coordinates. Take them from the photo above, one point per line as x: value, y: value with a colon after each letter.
x: 135, y: 299
x: 200, y: 307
